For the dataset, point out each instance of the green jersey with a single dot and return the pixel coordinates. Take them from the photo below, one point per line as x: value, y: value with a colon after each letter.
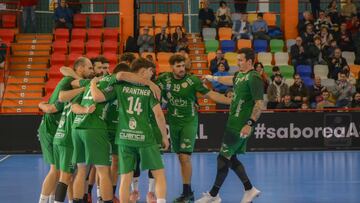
x: 248, y: 87
x: 50, y: 121
x: 135, y: 108
x: 95, y: 120
x: 181, y: 96
x: 112, y: 116
x: 63, y: 132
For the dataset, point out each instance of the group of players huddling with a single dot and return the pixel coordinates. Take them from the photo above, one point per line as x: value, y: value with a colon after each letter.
x: 97, y: 125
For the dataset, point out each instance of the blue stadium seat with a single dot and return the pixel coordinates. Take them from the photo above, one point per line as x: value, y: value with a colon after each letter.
x: 227, y: 46
x: 308, y: 82
x: 304, y: 70
x: 260, y: 45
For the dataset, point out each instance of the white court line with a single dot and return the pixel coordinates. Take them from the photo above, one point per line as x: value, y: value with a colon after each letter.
x: 3, y: 159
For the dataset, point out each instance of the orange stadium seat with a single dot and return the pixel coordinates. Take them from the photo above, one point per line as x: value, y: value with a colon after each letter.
x: 270, y: 18
x: 225, y: 33
x: 76, y: 46
x: 110, y: 46
x: 62, y: 34
x: 51, y: 85
x: 95, y: 34
x: 211, y: 56
x: 80, y: 20
x: 93, y: 46
x: 161, y: 19
x: 176, y: 19
x: 60, y: 47
x: 9, y: 20
x: 111, y: 34
x: 146, y: 19
x: 163, y: 61
x: 78, y: 34
x: 244, y: 43
x: 7, y: 35
x: 96, y: 20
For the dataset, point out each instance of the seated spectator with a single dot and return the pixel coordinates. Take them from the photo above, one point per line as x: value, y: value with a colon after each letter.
x: 218, y: 87
x: 308, y: 35
x: 242, y: 28
x: 298, y: 91
x: 325, y: 100
x: 3, y: 47
x: 357, y: 85
x: 223, y: 15
x: 326, y: 37
x: 206, y: 16
x: 298, y: 55
x: 348, y: 9
x: 357, y: 47
x: 329, y: 50
x: 63, y: 16
x: 74, y: 6
x: 163, y: 41
x: 276, y: 91
x: 344, y: 38
x: 337, y: 64
x: 315, y: 91
x: 332, y: 12
x: 315, y: 52
x: 260, y: 28
x: 275, y: 70
x: 286, y: 103
x: 304, y: 22
x: 353, y: 25
x: 145, y: 41
x: 343, y: 90
x: 355, y: 103
x: 179, y: 39
x: 322, y: 21
x: 304, y: 106
x: 265, y: 78
x: 219, y: 58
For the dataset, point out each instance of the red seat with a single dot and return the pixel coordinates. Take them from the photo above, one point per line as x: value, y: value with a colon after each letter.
x: 54, y: 72
x: 111, y: 34
x: 51, y: 85
x: 77, y: 46
x: 62, y: 34
x: 7, y: 35
x: 80, y: 20
x: 96, y: 20
x: 113, y: 58
x: 93, y: 46
x: 92, y: 55
x: 60, y: 46
x: 110, y: 47
x: 58, y: 59
x: 78, y: 34
x: 72, y: 58
x: 95, y: 34
x: 9, y: 20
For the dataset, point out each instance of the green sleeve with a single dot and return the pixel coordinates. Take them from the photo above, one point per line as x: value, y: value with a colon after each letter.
x: 235, y: 75
x: 153, y: 101
x: 110, y: 92
x: 256, y: 87
x: 59, y: 105
x: 65, y: 84
x: 199, y: 87
x: 84, y: 82
x: 77, y: 99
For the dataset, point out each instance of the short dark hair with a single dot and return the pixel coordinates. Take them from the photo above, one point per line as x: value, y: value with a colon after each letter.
x: 176, y: 58
x: 96, y: 59
x: 121, y: 67
x: 258, y: 63
x: 275, y: 68
x: 103, y: 59
x: 221, y: 3
x: 260, y: 15
x: 140, y: 63
x: 128, y: 57
x: 79, y: 62
x: 249, y: 54
x: 297, y: 74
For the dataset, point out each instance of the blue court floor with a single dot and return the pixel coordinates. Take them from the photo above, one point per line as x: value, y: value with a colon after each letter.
x: 283, y: 177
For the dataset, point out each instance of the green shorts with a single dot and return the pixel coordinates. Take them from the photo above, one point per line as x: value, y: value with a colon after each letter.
x: 114, y: 147
x: 233, y: 144
x: 150, y: 158
x: 63, y: 158
x: 91, y: 146
x: 183, y: 137
x: 46, y: 142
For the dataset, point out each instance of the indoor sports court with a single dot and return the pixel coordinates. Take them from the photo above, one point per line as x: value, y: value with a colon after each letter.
x: 204, y: 101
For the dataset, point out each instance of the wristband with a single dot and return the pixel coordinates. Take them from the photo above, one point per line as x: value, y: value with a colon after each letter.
x: 250, y: 122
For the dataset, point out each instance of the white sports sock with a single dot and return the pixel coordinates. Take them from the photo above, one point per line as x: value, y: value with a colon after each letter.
x: 151, y: 185
x: 70, y: 201
x: 51, y: 198
x: 135, y: 184
x: 58, y: 202
x: 43, y: 199
x: 161, y: 201
x: 98, y: 194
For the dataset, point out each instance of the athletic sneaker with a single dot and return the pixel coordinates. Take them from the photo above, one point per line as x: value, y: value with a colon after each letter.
x: 207, y: 198
x: 185, y: 198
x: 250, y: 195
x: 99, y: 200
x: 150, y: 197
x: 134, y: 196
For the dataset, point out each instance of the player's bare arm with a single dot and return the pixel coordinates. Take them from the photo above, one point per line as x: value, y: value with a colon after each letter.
x: 255, y: 115
x: 218, y: 98
x: 67, y: 71
x: 65, y: 96
x: 133, y: 78
x: 47, y: 108
x: 78, y: 109
x: 96, y: 94
x: 160, y: 120
x: 225, y: 80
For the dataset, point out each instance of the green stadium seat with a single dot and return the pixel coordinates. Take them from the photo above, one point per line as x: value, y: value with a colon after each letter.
x: 211, y: 45
x: 276, y: 45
